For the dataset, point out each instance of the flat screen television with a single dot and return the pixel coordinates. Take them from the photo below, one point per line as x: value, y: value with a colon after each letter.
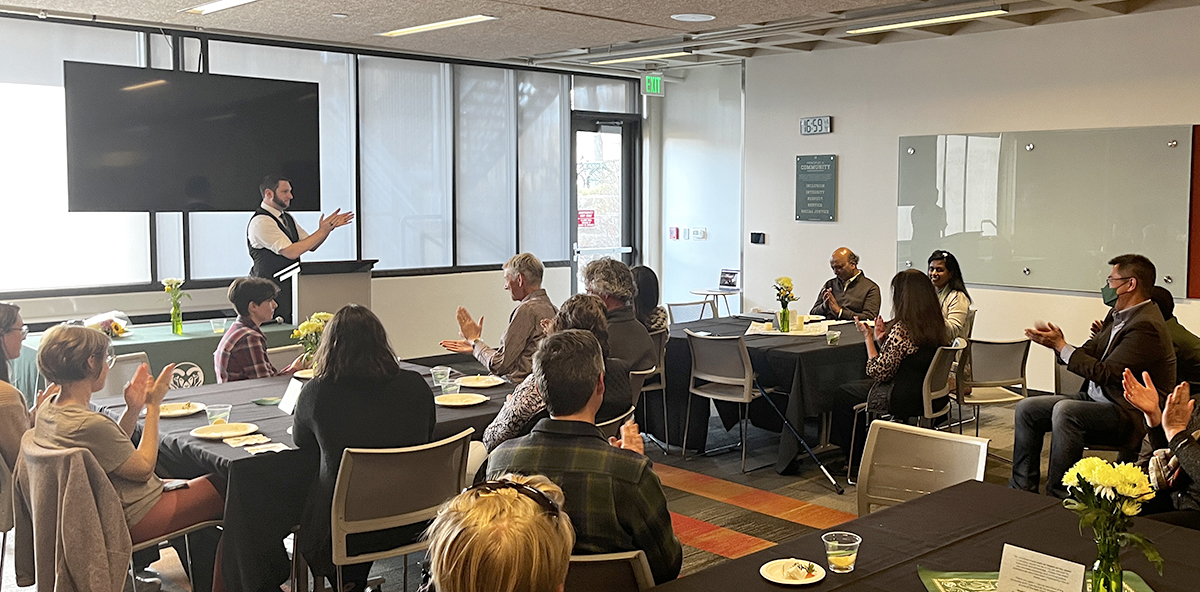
x: 144, y: 140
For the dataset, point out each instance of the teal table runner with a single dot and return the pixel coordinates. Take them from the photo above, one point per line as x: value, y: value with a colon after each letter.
x: 163, y: 347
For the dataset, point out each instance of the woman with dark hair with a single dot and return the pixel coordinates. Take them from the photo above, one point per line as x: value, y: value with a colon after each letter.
x: 645, y: 305
x: 15, y: 419
x: 898, y: 356
x: 359, y: 397
x: 581, y: 311
x: 952, y: 294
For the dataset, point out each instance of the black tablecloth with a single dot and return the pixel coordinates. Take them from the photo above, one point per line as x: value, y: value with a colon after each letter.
x: 265, y: 493
x: 804, y: 367
x: 963, y: 528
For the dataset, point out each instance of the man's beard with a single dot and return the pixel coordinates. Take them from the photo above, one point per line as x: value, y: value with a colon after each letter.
x: 278, y: 203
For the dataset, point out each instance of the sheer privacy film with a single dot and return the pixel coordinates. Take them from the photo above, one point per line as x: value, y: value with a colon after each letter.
x: 543, y: 156
x: 603, y: 94
x: 1047, y: 209
x: 407, y: 154
x: 59, y: 249
x: 218, y: 239
x: 485, y: 165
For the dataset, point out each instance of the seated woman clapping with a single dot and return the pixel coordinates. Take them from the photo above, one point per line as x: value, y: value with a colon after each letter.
x: 508, y: 535
x: 77, y: 360
x: 1175, y: 457
x: 898, y: 356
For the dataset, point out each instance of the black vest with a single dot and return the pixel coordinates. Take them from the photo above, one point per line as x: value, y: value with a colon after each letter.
x: 266, y: 262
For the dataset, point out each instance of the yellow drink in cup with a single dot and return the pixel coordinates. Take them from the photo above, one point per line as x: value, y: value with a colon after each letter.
x: 841, y: 549
x: 842, y: 563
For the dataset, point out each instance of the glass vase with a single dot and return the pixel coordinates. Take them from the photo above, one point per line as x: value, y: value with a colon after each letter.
x: 785, y: 319
x: 176, y: 319
x: 1106, y: 572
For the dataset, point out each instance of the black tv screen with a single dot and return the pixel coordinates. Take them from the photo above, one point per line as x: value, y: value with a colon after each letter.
x: 144, y: 140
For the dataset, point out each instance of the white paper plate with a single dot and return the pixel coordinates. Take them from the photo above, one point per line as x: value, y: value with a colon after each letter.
x: 180, y: 409
x: 480, y: 381
x: 221, y: 431
x: 304, y: 374
x: 811, y: 318
x: 773, y: 571
x: 460, y: 399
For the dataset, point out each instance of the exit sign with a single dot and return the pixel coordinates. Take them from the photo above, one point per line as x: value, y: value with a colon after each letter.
x: 652, y: 85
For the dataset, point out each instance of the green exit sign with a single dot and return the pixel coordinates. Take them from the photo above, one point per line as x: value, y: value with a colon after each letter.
x: 652, y: 85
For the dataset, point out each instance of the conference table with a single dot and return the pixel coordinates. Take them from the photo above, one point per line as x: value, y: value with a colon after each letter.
x: 163, y: 347
x: 265, y: 493
x: 960, y: 529
x: 802, y: 369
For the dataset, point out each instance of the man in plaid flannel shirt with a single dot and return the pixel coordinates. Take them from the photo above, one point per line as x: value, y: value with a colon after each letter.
x: 242, y: 353
x: 614, y: 498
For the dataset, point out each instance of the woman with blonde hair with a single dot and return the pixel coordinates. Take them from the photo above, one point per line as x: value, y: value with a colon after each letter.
x: 507, y: 535
x: 77, y: 359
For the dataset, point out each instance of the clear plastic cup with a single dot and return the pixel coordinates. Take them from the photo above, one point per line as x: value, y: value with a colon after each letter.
x: 218, y: 413
x: 832, y: 337
x: 218, y: 325
x: 450, y: 388
x: 441, y: 374
x: 841, y: 550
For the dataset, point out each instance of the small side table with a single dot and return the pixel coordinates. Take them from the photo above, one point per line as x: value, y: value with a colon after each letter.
x: 709, y: 294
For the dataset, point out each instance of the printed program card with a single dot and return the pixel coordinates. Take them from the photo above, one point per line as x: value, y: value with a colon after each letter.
x: 1022, y: 570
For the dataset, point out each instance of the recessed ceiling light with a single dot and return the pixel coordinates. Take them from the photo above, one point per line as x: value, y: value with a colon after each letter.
x: 642, y: 58
x: 466, y: 20
x: 210, y: 7
x: 693, y: 17
x: 339, y: 15
x: 931, y: 21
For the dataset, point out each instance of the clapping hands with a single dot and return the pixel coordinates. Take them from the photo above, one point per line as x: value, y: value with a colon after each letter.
x: 142, y: 389
x: 631, y: 438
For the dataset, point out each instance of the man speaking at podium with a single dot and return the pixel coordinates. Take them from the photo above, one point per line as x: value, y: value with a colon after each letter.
x: 276, y: 241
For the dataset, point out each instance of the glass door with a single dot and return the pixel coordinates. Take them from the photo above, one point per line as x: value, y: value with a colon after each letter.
x: 605, y: 150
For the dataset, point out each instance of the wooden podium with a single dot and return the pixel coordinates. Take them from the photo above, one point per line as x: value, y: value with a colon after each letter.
x: 326, y: 286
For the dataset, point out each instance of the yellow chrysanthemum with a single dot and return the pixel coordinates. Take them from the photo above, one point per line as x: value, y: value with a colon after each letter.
x: 1131, y: 508
x: 296, y: 334
x: 784, y: 282
x: 324, y: 317
x: 310, y: 327
x: 1134, y: 483
x: 1085, y: 469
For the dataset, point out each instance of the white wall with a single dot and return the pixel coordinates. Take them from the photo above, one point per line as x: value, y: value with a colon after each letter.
x: 1135, y: 70
x: 701, y: 170
x: 417, y: 311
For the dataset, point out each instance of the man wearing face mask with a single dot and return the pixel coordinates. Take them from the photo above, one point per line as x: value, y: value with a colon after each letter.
x: 1133, y: 335
x: 276, y: 241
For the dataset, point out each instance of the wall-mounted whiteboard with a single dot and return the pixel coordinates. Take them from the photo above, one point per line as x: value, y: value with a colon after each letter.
x: 1047, y: 209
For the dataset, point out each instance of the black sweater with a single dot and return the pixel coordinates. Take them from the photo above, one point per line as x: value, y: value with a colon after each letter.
x: 356, y: 413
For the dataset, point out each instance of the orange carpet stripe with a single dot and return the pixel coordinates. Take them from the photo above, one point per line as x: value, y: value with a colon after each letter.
x: 714, y: 539
x: 749, y: 498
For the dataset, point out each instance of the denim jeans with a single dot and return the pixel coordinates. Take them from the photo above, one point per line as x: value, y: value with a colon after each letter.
x: 1073, y: 421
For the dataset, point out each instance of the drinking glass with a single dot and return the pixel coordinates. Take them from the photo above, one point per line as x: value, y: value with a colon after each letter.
x: 441, y: 374
x: 450, y: 387
x: 841, y: 549
x: 218, y: 325
x: 831, y: 337
x: 218, y: 413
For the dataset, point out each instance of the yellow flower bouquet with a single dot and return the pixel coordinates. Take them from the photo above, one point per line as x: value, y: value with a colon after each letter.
x: 785, y: 296
x: 174, y: 290
x: 309, y: 333
x: 1106, y: 497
